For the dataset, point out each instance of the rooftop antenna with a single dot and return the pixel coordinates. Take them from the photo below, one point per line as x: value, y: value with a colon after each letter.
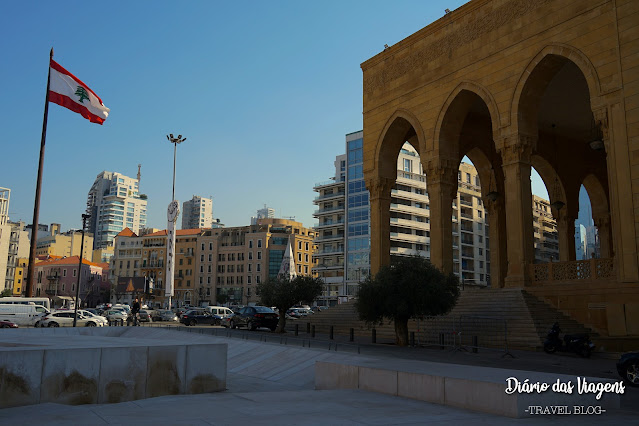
x: 139, y: 175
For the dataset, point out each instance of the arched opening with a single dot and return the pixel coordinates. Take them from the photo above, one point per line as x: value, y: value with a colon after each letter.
x: 556, y: 127
x: 473, y: 245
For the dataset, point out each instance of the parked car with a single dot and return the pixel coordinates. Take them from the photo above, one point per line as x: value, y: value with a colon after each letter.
x: 297, y: 313
x: 253, y: 317
x: 199, y: 316
x: 90, y: 315
x: 115, y: 314
x: 8, y: 324
x: 628, y: 368
x: 65, y: 319
x: 164, y: 315
x: 145, y: 315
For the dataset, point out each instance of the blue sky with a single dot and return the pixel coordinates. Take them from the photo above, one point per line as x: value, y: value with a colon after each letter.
x: 264, y: 92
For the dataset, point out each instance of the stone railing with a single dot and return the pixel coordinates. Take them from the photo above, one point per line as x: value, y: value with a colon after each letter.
x: 576, y: 270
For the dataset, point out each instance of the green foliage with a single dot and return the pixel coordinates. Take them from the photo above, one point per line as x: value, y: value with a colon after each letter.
x: 284, y: 293
x: 410, y: 287
x: 222, y: 298
x: 7, y: 292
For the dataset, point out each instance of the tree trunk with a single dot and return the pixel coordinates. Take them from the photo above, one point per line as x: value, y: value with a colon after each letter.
x: 282, y: 322
x: 401, y: 331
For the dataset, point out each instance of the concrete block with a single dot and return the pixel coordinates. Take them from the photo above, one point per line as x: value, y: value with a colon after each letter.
x: 378, y: 380
x: 20, y: 374
x: 329, y: 375
x: 70, y: 376
x: 423, y: 387
x: 206, y: 368
x: 166, y: 371
x: 481, y: 396
x: 122, y: 374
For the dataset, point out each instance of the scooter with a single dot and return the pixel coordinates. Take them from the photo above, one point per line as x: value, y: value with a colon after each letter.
x: 578, y: 343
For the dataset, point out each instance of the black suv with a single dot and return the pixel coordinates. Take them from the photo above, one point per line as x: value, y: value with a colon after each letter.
x: 199, y: 316
x: 253, y: 317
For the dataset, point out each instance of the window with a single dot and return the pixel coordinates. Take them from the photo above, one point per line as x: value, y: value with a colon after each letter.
x: 64, y: 273
x: 257, y: 279
x: 299, y: 245
x: 259, y: 243
x: 259, y: 255
x: 202, y: 246
x: 306, y: 257
x: 250, y: 243
x: 210, y: 257
x: 306, y: 246
x: 248, y: 279
x: 75, y: 271
x: 210, y: 246
x: 408, y: 165
x: 250, y: 266
x: 259, y: 267
x: 467, y: 177
x: 250, y: 256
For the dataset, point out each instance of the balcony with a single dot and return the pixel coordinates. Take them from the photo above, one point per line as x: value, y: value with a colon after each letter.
x: 329, y: 196
x: 330, y: 250
x: 330, y: 223
x: 330, y: 237
x: 328, y: 210
x: 574, y: 271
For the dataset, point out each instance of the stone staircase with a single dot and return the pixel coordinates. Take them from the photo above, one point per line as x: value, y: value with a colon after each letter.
x: 492, y: 316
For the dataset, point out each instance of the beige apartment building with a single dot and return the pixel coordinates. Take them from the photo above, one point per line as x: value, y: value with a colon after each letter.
x: 229, y: 261
x: 66, y: 245
x: 546, y: 240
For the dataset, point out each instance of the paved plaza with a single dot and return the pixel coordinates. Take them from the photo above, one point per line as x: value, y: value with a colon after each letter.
x: 270, y: 382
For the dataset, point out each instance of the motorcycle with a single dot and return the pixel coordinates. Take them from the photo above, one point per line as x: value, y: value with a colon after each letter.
x: 578, y: 343
x: 133, y: 319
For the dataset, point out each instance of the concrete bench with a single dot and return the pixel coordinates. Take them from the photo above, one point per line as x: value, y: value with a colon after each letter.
x: 462, y: 386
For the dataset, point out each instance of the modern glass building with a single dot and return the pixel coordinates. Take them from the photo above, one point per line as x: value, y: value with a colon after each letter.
x: 114, y: 203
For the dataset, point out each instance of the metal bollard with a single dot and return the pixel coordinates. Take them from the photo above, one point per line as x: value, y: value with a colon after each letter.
x: 412, y: 339
x: 297, y: 326
x: 441, y: 340
x: 474, y: 344
x: 308, y: 327
x: 351, y: 337
x: 330, y: 334
x: 374, y: 336
x: 313, y: 330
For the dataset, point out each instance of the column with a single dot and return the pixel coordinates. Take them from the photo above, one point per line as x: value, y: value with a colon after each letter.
x: 380, y: 197
x: 602, y: 223
x: 566, y: 234
x: 623, y: 241
x: 515, y: 153
x: 441, y: 184
x: 495, y: 210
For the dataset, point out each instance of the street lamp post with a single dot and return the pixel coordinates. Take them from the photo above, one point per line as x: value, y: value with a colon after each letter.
x: 172, y: 215
x: 77, y: 287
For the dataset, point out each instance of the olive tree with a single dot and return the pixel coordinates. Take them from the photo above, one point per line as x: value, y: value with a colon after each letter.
x: 408, y: 288
x: 284, y: 293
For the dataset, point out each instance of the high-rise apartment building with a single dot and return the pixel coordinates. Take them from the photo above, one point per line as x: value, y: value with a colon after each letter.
x: 343, y: 229
x: 5, y: 195
x: 115, y: 203
x: 265, y: 213
x: 197, y: 213
x: 546, y: 238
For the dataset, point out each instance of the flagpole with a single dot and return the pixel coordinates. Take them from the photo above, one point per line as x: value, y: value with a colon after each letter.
x: 36, y: 206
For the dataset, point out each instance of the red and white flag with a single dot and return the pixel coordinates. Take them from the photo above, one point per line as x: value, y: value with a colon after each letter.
x: 68, y: 91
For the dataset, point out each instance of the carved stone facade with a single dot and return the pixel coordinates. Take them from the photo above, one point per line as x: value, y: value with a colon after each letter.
x: 516, y: 84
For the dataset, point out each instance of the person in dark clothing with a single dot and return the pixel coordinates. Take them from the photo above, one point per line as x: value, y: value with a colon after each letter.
x: 135, y: 310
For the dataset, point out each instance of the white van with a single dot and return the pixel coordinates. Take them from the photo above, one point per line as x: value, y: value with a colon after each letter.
x: 23, y: 315
x: 220, y: 311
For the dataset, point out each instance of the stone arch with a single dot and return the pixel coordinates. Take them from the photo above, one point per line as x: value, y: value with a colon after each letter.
x: 548, y: 175
x: 545, y: 64
x: 458, y: 104
x: 597, y: 194
x: 402, y: 126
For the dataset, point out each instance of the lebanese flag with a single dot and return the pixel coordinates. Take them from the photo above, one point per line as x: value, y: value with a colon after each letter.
x: 68, y: 91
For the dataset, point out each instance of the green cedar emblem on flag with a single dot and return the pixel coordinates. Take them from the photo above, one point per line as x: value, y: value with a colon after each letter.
x: 82, y: 93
